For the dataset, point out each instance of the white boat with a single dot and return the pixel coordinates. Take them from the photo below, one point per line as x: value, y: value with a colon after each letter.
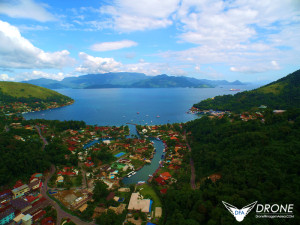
x: 134, y: 173
x: 129, y: 176
x: 141, y: 182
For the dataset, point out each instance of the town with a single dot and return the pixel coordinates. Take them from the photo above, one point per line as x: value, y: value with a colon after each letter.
x: 88, y: 188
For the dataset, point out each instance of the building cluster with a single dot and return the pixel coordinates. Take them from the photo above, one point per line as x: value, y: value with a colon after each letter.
x: 20, y: 107
x: 23, y: 204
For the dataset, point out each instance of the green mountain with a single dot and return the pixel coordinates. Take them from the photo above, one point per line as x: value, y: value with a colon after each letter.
x: 281, y: 94
x: 165, y: 81
x: 128, y: 80
x: 14, y: 91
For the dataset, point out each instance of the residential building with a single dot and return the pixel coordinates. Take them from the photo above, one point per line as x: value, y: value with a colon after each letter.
x: 7, y: 216
x: 20, y: 191
x: 138, y: 203
x: 27, y: 220
x: 20, y: 204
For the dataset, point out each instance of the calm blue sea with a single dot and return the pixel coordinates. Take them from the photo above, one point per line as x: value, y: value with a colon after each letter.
x: 118, y: 106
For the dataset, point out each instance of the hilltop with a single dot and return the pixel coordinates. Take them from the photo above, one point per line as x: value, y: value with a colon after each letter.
x: 129, y: 80
x: 281, y: 94
x: 14, y: 91
x: 19, y: 98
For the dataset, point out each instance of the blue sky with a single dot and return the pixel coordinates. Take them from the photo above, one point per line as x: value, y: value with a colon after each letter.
x: 248, y: 40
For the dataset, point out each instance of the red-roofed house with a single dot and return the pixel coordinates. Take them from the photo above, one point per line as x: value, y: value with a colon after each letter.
x: 18, y: 184
x: 48, y: 221
x: 163, y: 191
x: 89, y: 164
x: 214, y: 177
x: 165, y: 175
x: 38, y: 215
x: 160, y: 181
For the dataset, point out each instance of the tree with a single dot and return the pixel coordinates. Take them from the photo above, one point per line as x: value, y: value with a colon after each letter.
x: 100, y: 191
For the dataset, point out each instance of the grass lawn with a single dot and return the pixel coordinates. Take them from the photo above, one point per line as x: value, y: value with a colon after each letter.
x: 147, y: 190
x: 137, y: 163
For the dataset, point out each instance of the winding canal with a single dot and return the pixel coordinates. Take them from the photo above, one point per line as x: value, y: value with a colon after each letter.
x: 148, y: 169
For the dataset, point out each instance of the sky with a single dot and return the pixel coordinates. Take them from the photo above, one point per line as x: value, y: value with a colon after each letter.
x: 246, y: 40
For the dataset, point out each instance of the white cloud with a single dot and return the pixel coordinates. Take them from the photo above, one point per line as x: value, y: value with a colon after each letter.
x: 133, y: 15
x: 115, y: 45
x: 36, y: 74
x: 93, y: 64
x: 238, y: 33
x: 17, y: 52
x: 25, y: 9
x: 5, y: 77
x: 257, y: 68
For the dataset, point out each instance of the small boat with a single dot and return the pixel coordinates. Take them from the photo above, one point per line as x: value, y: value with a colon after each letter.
x: 157, y: 116
x: 133, y: 173
x: 129, y: 176
x: 158, y: 139
x: 141, y: 182
x: 138, y: 113
x: 233, y: 89
x: 150, y: 175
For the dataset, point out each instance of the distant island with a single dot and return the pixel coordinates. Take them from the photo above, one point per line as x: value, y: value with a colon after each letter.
x: 129, y: 80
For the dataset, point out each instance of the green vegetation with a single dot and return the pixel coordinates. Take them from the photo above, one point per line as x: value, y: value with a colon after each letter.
x: 257, y: 162
x: 111, y: 218
x: 281, y: 94
x: 13, y: 91
x: 21, y: 150
x: 147, y: 191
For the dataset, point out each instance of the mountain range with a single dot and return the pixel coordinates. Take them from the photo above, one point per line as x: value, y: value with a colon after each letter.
x: 128, y: 80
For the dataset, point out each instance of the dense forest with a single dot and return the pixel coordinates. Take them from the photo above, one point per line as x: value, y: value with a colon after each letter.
x: 20, y: 159
x: 256, y: 161
x: 281, y: 94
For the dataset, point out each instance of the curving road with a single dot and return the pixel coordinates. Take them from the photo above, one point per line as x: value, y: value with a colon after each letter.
x: 60, y: 212
x: 193, y: 174
x: 41, y: 136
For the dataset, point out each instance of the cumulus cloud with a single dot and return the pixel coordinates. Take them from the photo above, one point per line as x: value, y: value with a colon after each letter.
x: 239, y: 32
x: 257, y: 68
x: 93, y: 64
x: 18, y: 52
x: 36, y: 74
x: 5, y: 77
x: 28, y: 9
x: 115, y: 45
x: 138, y: 15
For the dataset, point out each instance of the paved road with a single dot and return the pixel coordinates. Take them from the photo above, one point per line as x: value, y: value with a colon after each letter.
x: 60, y: 212
x: 193, y: 174
x: 41, y: 136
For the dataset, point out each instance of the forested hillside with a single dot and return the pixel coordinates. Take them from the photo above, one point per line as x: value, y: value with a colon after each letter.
x: 281, y: 94
x: 20, y: 92
x: 256, y: 162
x: 21, y: 149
